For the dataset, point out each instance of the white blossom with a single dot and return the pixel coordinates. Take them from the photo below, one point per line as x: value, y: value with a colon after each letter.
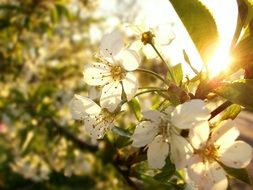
x: 97, y: 120
x: 203, y: 167
x: 161, y: 35
x: 160, y: 131
x: 113, y: 71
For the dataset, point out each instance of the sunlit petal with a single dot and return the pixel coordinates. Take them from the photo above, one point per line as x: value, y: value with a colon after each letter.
x: 164, y: 34
x: 207, y: 175
x: 144, y: 133
x: 149, y: 52
x: 238, y: 155
x: 224, y: 134
x: 153, y: 115
x: 216, y: 177
x: 129, y: 59
x: 96, y: 74
x: 80, y: 107
x: 136, y: 45
x: 180, y: 151
x: 169, y: 110
x: 190, y: 114
x: 111, y: 95
x: 111, y: 44
x: 196, y: 170
x: 198, y: 135
x: 130, y: 85
x: 158, y: 151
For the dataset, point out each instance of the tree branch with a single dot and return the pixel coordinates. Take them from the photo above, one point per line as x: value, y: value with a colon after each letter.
x: 70, y: 136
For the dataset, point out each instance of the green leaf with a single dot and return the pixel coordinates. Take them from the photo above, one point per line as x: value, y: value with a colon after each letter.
x: 238, y: 92
x: 240, y: 174
x: 4, y: 23
x: 177, y: 72
x: 10, y: 7
x: 54, y: 15
x: 121, y: 132
x: 122, y: 137
x: 241, y: 20
x: 199, y: 23
x: 167, y: 171
x: 231, y: 112
x: 242, y: 54
x: 135, y: 107
x: 62, y: 10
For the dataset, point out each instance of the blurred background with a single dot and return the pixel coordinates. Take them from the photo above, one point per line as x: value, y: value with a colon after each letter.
x: 44, y: 45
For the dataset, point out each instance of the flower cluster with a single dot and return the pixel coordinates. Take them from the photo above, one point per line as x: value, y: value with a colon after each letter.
x: 181, y: 132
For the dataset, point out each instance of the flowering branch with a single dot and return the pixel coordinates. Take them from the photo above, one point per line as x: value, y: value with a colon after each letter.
x: 158, y: 53
x: 154, y: 74
x: 82, y: 145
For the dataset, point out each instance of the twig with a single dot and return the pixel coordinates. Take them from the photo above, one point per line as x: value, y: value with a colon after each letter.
x: 219, y: 109
x: 70, y: 136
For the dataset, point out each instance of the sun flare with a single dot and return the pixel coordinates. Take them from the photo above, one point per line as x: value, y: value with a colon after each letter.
x: 226, y: 26
x: 219, y: 63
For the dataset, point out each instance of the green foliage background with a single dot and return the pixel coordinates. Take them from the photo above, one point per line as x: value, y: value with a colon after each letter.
x: 40, y: 70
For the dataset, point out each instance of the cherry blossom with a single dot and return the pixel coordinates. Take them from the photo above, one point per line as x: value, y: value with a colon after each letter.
x: 113, y: 71
x: 161, y: 36
x: 221, y: 147
x: 160, y: 131
x: 97, y: 120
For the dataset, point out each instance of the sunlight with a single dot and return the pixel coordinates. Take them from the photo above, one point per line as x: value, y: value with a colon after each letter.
x: 219, y: 63
x: 220, y: 60
x: 226, y: 25
x: 164, y: 13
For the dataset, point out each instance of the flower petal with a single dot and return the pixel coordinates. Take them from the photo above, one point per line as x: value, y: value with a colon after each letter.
x: 196, y: 170
x: 169, y: 110
x: 164, y: 34
x: 216, y: 177
x: 153, y: 115
x: 198, y: 135
x: 149, y: 52
x: 208, y: 176
x: 111, y: 95
x: 81, y: 107
x: 130, y: 85
x: 190, y: 114
x: 238, y: 155
x: 129, y: 59
x: 158, y: 151
x: 180, y: 151
x: 144, y: 133
x: 136, y: 45
x: 224, y: 134
x: 111, y: 44
x: 97, y: 74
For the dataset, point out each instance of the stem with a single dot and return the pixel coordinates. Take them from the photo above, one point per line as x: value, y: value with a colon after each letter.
x: 151, y: 88
x: 170, y: 72
x: 219, y: 109
x: 147, y: 91
x: 189, y: 63
x: 154, y: 74
x: 70, y: 136
x: 125, y: 175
